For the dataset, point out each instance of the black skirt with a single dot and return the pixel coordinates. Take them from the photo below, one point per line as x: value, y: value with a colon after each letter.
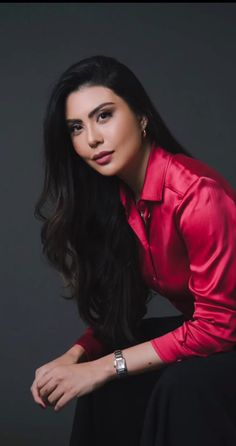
x: 188, y: 403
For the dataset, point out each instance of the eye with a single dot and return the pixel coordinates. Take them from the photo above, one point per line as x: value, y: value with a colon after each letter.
x: 106, y: 113
x: 74, y: 128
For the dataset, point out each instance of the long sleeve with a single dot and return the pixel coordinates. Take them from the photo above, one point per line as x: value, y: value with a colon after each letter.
x: 206, y: 221
x: 93, y: 348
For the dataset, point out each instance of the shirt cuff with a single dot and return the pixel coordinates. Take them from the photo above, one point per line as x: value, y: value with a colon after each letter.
x: 168, y: 348
x: 93, y: 348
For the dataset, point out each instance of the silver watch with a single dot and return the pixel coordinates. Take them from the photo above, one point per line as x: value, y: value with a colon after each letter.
x: 120, y: 364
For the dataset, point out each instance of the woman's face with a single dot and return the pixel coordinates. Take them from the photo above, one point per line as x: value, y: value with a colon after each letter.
x: 100, y: 121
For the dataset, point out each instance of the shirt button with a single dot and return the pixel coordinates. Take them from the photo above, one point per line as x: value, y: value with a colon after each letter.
x: 154, y: 278
x: 141, y: 206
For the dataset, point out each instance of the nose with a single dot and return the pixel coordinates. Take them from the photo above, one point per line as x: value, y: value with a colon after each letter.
x: 94, y: 136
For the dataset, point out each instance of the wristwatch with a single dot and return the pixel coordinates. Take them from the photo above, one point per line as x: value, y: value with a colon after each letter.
x: 120, y: 364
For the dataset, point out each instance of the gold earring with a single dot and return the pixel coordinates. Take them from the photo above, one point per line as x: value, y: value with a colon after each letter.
x: 144, y: 133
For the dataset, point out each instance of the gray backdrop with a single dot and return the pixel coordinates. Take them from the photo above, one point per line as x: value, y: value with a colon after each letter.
x: 184, y: 54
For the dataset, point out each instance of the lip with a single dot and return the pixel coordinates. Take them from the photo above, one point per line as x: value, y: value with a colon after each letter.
x: 104, y: 159
x: 102, y: 154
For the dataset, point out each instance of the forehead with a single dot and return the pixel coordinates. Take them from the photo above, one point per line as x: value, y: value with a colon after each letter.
x: 87, y: 98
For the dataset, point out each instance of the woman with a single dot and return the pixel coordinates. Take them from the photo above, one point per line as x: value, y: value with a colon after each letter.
x: 131, y: 210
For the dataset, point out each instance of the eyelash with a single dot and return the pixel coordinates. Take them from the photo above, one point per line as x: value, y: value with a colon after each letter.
x: 72, y: 128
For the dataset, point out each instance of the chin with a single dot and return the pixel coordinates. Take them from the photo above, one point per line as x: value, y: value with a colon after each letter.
x: 107, y: 170
x: 107, y: 173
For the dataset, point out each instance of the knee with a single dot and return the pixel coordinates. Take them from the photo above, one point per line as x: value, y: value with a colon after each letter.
x: 186, y: 377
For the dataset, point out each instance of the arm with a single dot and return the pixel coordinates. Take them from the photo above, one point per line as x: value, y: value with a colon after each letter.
x: 76, y: 353
x: 139, y: 359
x: 206, y: 218
x: 92, y: 347
x: 66, y: 382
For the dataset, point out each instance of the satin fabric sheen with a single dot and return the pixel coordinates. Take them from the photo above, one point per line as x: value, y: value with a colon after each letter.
x: 187, y: 236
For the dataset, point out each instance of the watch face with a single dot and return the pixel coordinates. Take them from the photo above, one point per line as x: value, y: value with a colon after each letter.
x: 120, y: 365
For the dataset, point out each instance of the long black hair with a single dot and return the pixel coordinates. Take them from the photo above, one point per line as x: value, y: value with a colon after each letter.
x: 85, y: 234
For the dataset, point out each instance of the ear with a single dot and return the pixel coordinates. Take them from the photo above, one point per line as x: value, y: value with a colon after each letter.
x: 143, y: 122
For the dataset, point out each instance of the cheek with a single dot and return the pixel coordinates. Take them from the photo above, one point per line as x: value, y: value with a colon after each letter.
x: 124, y: 130
x: 131, y: 137
x: 78, y: 148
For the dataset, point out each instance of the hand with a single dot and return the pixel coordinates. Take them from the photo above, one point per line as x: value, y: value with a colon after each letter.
x: 72, y: 356
x: 65, y: 382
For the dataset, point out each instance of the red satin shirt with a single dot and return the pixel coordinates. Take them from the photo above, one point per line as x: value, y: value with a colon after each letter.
x: 187, y: 235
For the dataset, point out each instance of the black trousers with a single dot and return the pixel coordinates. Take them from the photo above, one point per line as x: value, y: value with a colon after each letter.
x: 188, y: 403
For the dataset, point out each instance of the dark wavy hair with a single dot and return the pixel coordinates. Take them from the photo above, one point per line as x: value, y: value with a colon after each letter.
x: 85, y: 234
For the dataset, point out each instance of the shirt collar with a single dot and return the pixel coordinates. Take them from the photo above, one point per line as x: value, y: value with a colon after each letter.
x: 154, y: 180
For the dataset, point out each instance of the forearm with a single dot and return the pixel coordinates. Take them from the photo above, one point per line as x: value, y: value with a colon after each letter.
x: 77, y: 352
x: 80, y: 379
x: 139, y: 359
x: 92, y: 346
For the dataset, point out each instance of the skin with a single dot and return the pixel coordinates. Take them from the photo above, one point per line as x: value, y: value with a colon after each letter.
x: 72, y: 375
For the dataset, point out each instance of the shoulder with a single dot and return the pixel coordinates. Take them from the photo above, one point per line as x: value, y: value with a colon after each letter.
x: 184, y: 171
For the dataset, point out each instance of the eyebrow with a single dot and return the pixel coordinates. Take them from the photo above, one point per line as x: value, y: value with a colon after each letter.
x: 91, y: 114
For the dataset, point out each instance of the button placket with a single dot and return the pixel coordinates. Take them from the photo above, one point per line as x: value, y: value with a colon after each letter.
x: 145, y: 215
x: 143, y: 211
x: 154, y: 274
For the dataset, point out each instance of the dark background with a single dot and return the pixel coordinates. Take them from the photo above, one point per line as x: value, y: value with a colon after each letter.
x: 184, y: 54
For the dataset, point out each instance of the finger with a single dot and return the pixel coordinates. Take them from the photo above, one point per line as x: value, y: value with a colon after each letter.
x: 55, y: 396
x: 47, y: 389
x: 62, y: 401
x: 43, y: 381
x: 36, y: 395
x: 39, y: 373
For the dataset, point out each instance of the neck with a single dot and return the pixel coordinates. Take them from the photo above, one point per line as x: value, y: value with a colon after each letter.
x: 134, y: 176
